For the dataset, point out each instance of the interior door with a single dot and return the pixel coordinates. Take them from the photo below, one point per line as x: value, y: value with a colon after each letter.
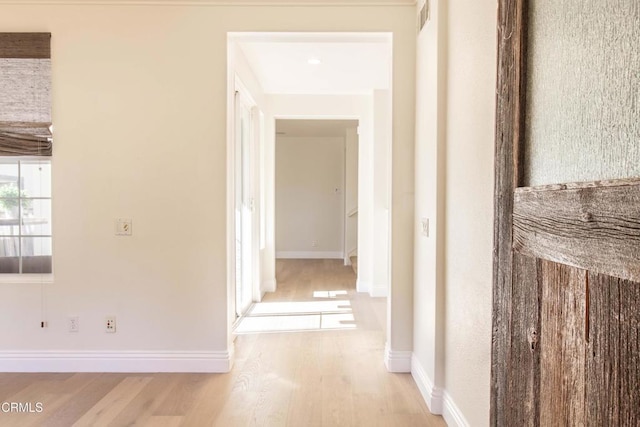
x: 566, y: 299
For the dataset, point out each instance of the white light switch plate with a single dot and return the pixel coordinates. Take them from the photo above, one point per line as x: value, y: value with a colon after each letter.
x: 425, y: 227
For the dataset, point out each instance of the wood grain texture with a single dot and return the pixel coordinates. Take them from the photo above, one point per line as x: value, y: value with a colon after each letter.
x: 319, y: 378
x: 510, y: 101
x: 595, y: 228
x: 613, y: 353
x: 523, y: 397
x: 563, y: 341
x: 25, y: 45
x: 580, y: 185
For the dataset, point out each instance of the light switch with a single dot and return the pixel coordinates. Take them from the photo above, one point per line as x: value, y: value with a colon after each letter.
x: 425, y: 226
x: 123, y: 227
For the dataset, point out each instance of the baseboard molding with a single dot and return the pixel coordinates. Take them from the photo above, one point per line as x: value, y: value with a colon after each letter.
x: 269, y: 285
x: 309, y: 255
x: 431, y: 394
x: 451, y: 413
x: 378, y: 291
x: 120, y: 361
x: 397, y: 361
x: 362, y: 286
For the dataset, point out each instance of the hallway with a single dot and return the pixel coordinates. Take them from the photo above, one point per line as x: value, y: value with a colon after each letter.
x: 328, y: 377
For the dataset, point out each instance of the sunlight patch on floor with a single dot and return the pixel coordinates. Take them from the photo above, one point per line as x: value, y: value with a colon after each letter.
x: 290, y: 316
x: 300, y: 307
x: 328, y: 294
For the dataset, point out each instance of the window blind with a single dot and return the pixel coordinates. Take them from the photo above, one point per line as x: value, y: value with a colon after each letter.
x: 25, y: 94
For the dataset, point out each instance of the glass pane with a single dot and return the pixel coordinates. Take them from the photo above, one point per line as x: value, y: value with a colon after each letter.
x: 582, y: 91
x: 36, y: 216
x: 36, y: 255
x: 9, y: 260
x: 8, y: 198
x: 35, y: 178
x: 9, y: 215
x: 8, y: 173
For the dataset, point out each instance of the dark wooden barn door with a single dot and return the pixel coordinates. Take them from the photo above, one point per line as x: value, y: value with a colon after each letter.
x: 566, y: 299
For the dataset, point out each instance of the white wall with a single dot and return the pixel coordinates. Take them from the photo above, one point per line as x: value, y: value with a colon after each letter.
x: 469, y: 204
x: 429, y: 286
x: 139, y: 108
x: 309, y: 197
x: 351, y: 193
x: 381, y: 192
x: 454, y: 185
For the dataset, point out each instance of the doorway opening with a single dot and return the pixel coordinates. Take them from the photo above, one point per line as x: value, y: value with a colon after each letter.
x: 301, y: 81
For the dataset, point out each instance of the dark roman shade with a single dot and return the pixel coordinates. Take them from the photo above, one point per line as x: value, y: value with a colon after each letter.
x: 25, y: 94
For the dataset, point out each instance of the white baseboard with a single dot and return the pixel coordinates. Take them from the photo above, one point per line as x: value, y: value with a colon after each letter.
x: 378, y: 291
x: 397, y: 361
x: 269, y: 285
x: 431, y: 394
x: 116, y: 361
x: 309, y: 255
x: 451, y: 413
x: 362, y: 286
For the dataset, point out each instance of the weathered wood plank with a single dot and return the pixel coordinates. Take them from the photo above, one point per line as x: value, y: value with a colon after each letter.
x: 563, y: 341
x: 509, y: 128
x: 523, y: 396
x: 594, y: 228
x: 613, y: 353
x: 25, y: 45
x: 580, y: 185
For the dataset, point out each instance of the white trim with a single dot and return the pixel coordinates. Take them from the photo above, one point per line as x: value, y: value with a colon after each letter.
x: 116, y: 361
x: 309, y: 255
x: 452, y: 414
x: 213, y: 2
x: 269, y: 285
x: 431, y: 394
x: 29, y: 279
x: 379, y: 291
x: 397, y: 361
x: 362, y: 286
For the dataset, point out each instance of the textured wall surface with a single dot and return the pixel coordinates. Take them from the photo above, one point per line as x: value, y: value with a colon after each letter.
x: 583, y: 112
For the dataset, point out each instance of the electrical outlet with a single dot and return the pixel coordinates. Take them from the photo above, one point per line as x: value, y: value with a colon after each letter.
x: 74, y: 323
x: 110, y: 324
x: 124, y: 227
x: 314, y: 243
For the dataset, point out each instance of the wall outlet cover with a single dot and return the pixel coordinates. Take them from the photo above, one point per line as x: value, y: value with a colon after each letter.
x: 124, y: 227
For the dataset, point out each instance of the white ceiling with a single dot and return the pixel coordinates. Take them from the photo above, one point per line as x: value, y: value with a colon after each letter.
x: 349, y: 64
x: 314, y: 128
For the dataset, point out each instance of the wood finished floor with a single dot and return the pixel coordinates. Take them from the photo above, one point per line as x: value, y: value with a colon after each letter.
x: 312, y: 378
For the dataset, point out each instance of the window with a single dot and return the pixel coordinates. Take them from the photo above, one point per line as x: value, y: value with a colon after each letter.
x: 25, y: 150
x: 25, y: 216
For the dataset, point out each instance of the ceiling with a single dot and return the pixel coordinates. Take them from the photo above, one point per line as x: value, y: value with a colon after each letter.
x: 314, y: 128
x: 349, y: 63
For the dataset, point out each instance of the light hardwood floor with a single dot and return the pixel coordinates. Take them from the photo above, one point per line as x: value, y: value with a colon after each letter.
x: 318, y: 377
